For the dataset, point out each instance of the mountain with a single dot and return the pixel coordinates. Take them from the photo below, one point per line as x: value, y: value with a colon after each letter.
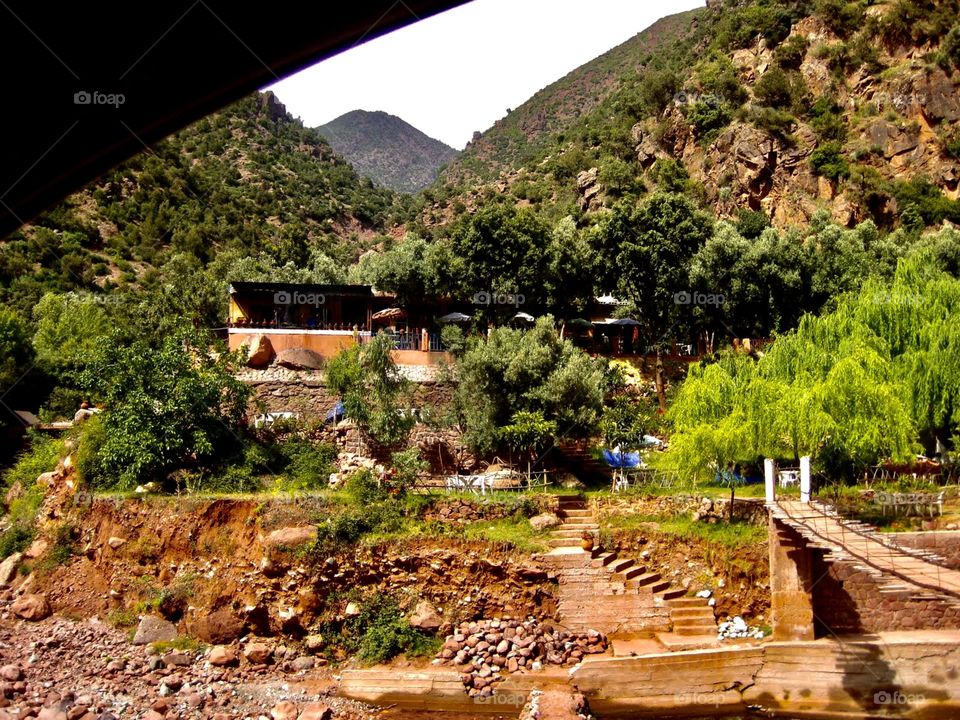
x: 249, y: 179
x: 786, y: 109
x: 388, y: 150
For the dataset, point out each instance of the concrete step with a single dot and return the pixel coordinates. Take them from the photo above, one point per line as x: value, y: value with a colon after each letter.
x: 585, y: 520
x: 671, y: 594
x: 684, y: 602
x: 602, y: 559
x: 643, y: 580
x: 577, y: 513
x: 676, y: 643
x: 573, y: 532
x: 695, y: 630
x: 628, y: 574
x: 694, y: 623
x: 620, y: 565
x: 563, y: 542
x: 691, y: 612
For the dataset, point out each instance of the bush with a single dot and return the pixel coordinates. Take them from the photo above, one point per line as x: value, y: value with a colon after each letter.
x: 708, y: 115
x: 363, y: 488
x: 841, y: 16
x: 828, y: 161
x: 790, y: 54
x: 774, y: 89
x: 751, y: 223
x: 383, y: 632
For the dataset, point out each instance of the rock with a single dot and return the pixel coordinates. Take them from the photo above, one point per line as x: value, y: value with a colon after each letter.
x: 37, y: 548
x: 8, y: 568
x: 314, y: 643
x: 300, y: 359
x: 221, y: 655
x: 84, y: 414
x: 284, y: 710
x: 153, y: 715
x: 303, y: 663
x: 544, y: 521
x: 116, y: 542
x: 179, y: 659
x: 291, y: 537
x: 352, y: 609
x: 257, y: 653
x: 425, y: 617
x: 154, y: 629
x: 11, y: 673
x: 259, y: 351
x: 52, y: 713
x: 31, y: 607
x: 219, y: 627
x: 316, y: 711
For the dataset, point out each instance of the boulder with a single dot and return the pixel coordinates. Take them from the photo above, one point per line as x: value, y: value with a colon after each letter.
x: 116, y: 542
x: 8, y: 568
x: 544, y: 521
x: 11, y: 673
x: 300, y: 359
x: 284, y: 710
x: 31, y: 607
x: 218, y: 628
x: 257, y: 653
x: 316, y: 711
x: 291, y: 537
x: 314, y: 643
x: 259, y: 351
x: 425, y: 617
x: 154, y: 629
x: 221, y: 655
x: 84, y: 414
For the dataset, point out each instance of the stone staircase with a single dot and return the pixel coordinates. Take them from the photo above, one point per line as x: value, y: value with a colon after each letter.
x: 601, y: 591
x: 579, y: 460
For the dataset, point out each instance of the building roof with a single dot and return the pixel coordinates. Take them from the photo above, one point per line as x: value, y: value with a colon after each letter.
x: 269, y: 287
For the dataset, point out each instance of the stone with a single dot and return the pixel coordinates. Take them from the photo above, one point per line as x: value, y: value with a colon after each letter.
x: 303, y: 663
x: 31, y: 607
x: 300, y: 359
x: 352, y: 609
x: 316, y: 711
x: 544, y: 521
x: 257, y: 653
x: 284, y: 710
x: 259, y: 351
x: 425, y: 617
x: 291, y: 537
x: 220, y: 627
x: 314, y: 643
x: 221, y: 655
x: 51, y: 713
x: 116, y: 542
x: 11, y: 673
x: 8, y: 568
x: 154, y: 629
x: 153, y: 715
x: 179, y: 659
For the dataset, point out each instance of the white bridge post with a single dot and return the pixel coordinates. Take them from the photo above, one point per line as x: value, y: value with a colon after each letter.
x: 769, y: 478
x: 805, y: 479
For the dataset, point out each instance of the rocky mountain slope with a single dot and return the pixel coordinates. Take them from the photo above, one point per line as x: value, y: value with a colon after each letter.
x: 784, y: 108
x: 249, y: 178
x: 387, y: 149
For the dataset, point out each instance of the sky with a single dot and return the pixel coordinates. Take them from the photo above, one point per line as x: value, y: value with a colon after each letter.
x: 459, y: 71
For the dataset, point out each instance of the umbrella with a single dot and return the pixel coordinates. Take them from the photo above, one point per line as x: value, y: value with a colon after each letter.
x: 624, y: 321
x: 526, y: 317
x: 454, y: 317
x: 390, y: 314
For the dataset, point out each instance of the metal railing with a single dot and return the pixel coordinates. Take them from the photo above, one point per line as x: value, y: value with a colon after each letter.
x: 877, y: 552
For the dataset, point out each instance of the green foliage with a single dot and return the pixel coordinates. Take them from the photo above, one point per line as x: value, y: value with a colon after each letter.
x: 625, y: 421
x: 165, y: 406
x: 380, y: 632
x: 841, y: 16
x: 16, y: 353
x: 707, y: 116
x: 828, y: 160
x: 515, y: 370
x: 407, y: 466
x: 374, y: 394
x: 70, y: 329
x: 751, y: 223
x: 949, y: 55
x: 42, y: 456
x: 670, y: 175
x: 363, y: 488
x: 775, y: 89
x: 789, y: 55
x: 529, y: 432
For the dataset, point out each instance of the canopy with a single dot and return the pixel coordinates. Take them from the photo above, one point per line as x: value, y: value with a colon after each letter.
x: 393, y: 313
x: 454, y: 317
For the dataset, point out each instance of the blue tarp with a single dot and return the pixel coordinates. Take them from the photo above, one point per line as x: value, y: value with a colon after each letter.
x: 620, y: 459
x: 337, y: 414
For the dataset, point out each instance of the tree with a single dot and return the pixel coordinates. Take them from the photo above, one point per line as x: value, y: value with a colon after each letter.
x: 166, y: 405
x: 536, y: 371
x: 16, y: 353
x: 373, y: 392
x: 570, y: 270
x: 529, y: 432
x: 70, y: 330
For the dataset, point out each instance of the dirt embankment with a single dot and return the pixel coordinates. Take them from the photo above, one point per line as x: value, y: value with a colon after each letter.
x: 222, y: 568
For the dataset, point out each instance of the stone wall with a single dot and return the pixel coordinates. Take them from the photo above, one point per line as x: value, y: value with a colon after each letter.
x: 465, y: 510
x: 747, y: 509
x: 848, y: 600
x: 944, y: 543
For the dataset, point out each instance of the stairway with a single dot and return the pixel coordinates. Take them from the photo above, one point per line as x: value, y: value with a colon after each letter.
x: 576, y: 519
x: 601, y: 591
x: 578, y: 459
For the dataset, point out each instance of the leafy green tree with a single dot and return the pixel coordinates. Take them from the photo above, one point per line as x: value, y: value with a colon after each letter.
x: 535, y: 371
x: 70, y: 330
x: 828, y: 160
x: 529, y: 432
x: 374, y: 393
x: 166, y: 405
x: 16, y: 352
x: 569, y: 276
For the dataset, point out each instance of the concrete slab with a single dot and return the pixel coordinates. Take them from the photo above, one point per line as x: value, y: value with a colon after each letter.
x: 676, y: 643
x: 634, y: 647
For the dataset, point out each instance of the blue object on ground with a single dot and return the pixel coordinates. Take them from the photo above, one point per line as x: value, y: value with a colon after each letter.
x: 619, y: 459
x: 337, y: 414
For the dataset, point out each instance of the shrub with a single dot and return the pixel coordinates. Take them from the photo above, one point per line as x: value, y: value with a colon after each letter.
x: 382, y: 632
x: 840, y: 16
x: 708, y: 115
x: 828, y: 161
x: 751, y: 223
x: 774, y: 89
x: 790, y: 54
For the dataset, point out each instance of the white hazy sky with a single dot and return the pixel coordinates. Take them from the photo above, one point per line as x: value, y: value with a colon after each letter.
x: 459, y: 71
